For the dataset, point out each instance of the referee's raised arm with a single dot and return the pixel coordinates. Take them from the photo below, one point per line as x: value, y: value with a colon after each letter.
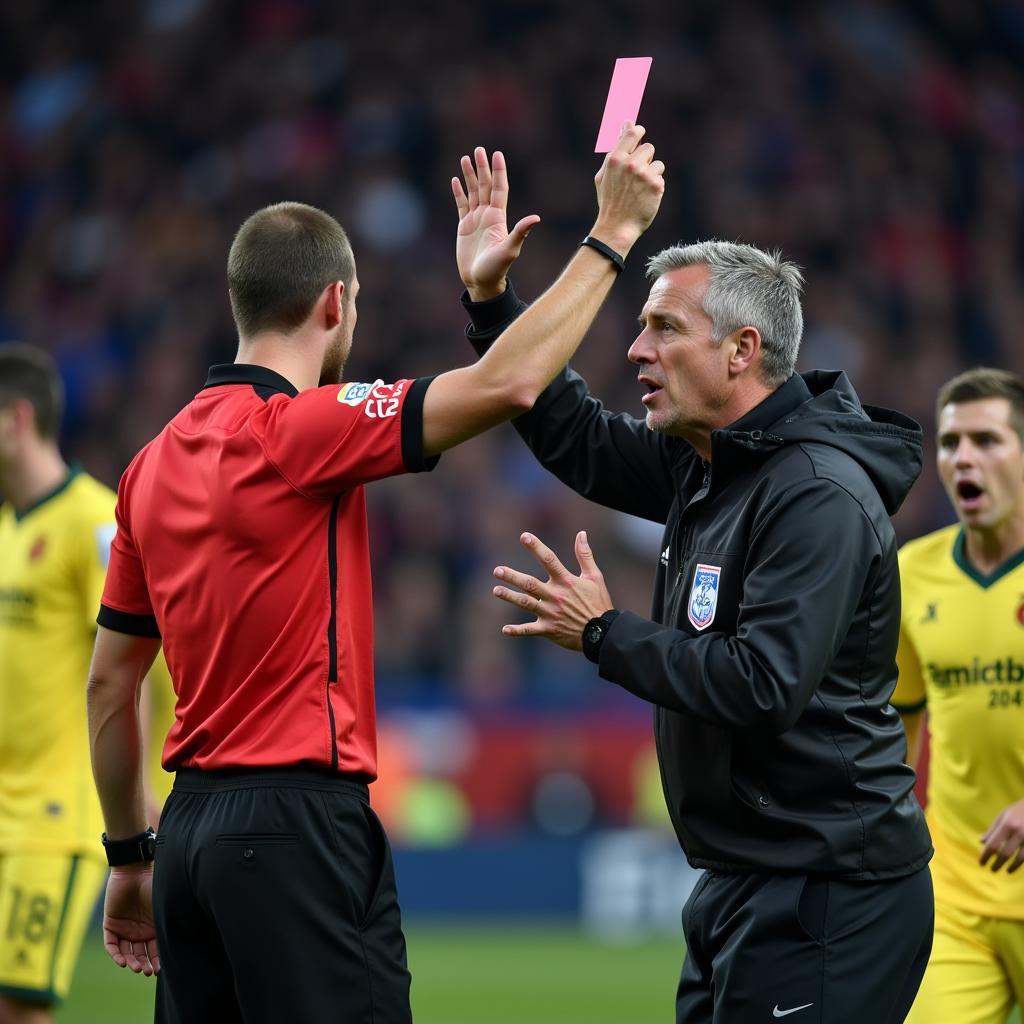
x: 510, y: 376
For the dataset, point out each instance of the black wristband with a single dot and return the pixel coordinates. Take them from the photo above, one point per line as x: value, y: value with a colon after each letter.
x: 134, y: 850
x: 607, y: 251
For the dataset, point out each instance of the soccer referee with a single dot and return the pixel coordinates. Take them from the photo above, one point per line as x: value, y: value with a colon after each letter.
x: 242, y: 546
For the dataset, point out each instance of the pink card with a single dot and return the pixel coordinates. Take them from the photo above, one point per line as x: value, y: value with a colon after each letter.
x: 624, y: 95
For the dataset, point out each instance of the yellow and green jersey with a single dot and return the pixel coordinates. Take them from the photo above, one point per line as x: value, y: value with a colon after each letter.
x: 961, y: 654
x: 53, y: 559
x: 52, y: 562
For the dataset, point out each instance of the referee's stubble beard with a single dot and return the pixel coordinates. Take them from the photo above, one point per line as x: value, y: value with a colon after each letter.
x: 333, y: 366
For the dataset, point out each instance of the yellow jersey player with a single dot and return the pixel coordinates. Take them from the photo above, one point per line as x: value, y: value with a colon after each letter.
x: 961, y: 656
x: 56, y: 525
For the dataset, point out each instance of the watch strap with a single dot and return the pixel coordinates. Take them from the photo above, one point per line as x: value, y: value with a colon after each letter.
x: 594, y: 633
x: 134, y: 850
x: 607, y: 251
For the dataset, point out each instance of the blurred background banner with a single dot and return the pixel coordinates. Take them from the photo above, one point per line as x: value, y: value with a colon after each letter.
x: 879, y: 145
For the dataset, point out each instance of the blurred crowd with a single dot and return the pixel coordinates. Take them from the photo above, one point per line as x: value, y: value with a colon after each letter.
x: 879, y: 145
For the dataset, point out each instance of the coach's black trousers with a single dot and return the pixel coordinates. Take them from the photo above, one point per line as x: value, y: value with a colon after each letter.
x: 274, y: 899
x: 804, y: 949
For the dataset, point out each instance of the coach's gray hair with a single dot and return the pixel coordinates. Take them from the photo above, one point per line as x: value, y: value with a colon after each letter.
x: 748, y: 287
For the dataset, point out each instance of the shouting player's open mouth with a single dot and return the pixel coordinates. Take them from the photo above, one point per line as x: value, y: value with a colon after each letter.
x: 969, y: 495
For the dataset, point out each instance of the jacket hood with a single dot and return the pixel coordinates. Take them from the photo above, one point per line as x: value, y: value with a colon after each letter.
x: 823, y: 407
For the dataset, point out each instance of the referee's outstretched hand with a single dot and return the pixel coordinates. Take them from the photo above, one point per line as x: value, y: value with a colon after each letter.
x: 565, y: 603
x: 128, y: 933
x: 630, y: 186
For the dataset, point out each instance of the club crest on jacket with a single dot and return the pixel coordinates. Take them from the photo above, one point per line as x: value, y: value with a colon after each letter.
x: 704, y: 595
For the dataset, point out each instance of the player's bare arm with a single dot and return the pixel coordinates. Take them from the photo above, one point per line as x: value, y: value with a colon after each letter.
x: 565, y: 603
x: 507, y: 380
x: 119, y: 665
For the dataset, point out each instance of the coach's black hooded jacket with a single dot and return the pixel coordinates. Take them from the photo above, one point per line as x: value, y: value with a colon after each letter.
x: 770, y: 652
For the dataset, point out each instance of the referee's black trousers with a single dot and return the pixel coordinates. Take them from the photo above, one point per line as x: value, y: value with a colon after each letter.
x: 804, y: 949
x: 274, y: 901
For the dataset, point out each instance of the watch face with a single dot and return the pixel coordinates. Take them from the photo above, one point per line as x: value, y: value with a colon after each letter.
x: 594, y: 633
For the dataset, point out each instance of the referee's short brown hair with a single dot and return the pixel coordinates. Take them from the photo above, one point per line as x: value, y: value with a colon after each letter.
x: 985, y: 382
x: 30, y: 373
x: 282, y: 258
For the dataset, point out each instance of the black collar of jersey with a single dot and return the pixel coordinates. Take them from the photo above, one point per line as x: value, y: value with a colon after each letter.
x: 265, y: 382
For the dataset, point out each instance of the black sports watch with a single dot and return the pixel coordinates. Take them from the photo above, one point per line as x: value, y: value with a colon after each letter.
x: 134, y: 850
x: 594, y: 633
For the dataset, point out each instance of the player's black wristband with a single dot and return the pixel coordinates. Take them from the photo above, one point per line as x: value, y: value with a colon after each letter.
x: 607, y: 251
x: 134, y: 850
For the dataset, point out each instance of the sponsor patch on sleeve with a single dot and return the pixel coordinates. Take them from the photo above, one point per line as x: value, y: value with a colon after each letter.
x: 384, y: 400
x: 355, y: 394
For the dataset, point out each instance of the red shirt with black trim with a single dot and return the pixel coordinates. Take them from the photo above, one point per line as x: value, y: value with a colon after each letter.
x: 242, y: 543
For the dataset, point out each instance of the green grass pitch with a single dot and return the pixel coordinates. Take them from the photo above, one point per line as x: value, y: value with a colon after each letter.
x: 465, y: 975
x: 462, y: 974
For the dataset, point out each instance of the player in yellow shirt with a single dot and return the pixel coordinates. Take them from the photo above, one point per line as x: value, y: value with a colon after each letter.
x: 961, y: 656
x: 56, y: 525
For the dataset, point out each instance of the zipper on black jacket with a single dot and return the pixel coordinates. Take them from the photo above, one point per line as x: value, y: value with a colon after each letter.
x: 765, y: 435
x: 332, y: 622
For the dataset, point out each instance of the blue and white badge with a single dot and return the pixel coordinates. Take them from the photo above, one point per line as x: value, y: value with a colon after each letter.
x: 355, y: 393
x: 704, y: 596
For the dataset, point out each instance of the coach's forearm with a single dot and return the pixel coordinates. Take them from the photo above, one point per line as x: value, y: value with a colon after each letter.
x: 115, y: 739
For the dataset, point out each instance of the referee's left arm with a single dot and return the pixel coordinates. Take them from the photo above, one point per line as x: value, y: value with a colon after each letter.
x: 120, y: 662
x: 127, y: 642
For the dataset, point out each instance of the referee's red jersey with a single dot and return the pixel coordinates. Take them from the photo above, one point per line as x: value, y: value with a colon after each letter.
x: 242, y: 542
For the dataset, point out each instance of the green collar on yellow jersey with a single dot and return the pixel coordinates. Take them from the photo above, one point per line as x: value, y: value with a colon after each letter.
x: 960, y: 557
x: 59, y: 489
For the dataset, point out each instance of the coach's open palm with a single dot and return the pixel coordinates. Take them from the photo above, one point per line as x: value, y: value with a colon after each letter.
x: 128, y: 933
x: 484, y: 247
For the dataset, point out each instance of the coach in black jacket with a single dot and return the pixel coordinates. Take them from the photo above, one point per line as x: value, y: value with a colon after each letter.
x: 769, y: 653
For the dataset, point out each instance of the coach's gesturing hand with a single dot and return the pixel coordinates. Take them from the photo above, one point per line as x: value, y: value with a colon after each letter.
x: 565, y: 603
x: 1005, y: 839
x: 128, y: 933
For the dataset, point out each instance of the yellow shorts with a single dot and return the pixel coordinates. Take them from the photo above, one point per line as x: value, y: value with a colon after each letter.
x: 46, y: 901
x: 976, y: 971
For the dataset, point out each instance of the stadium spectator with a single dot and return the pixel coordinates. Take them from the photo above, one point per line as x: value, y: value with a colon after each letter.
x: 56, y: 524
x: 136, y: 137
x: 769, y: 654
x: 242, y: 546
x: 961, y: 656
